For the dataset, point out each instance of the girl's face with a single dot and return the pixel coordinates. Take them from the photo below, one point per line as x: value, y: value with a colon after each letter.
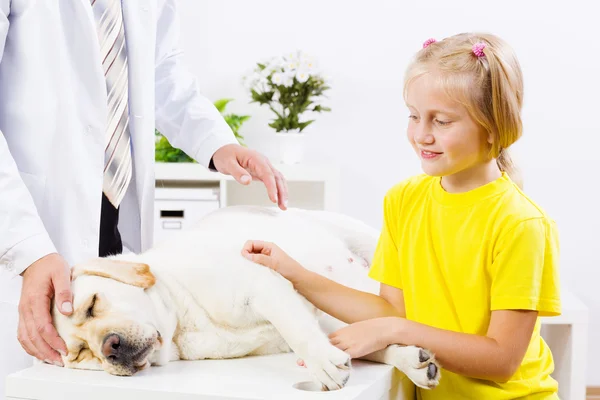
x: 445, y: 137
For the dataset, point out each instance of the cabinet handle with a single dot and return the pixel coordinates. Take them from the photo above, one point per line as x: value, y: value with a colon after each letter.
x: 171, y: 213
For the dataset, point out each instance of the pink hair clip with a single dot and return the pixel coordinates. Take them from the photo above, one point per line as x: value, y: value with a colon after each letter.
x: 428, y: 42
x: 478, y: 49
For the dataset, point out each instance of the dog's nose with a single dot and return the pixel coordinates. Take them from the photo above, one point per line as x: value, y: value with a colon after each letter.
x: 111, y: 346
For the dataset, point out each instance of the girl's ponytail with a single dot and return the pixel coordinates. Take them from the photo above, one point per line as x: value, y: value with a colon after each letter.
x: 506, y: 164
x: 506, y: 100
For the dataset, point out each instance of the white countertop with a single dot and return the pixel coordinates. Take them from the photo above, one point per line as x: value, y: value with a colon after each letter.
x: 265, y: 377
x: 196, y: 172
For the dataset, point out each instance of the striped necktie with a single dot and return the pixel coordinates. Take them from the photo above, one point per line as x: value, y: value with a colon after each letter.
x: 117, y: 156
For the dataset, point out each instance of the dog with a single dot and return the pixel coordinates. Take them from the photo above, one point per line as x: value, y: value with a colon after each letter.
x: 194, y: 296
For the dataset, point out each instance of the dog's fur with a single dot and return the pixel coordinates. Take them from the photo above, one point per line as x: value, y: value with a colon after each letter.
x: 196, y: 297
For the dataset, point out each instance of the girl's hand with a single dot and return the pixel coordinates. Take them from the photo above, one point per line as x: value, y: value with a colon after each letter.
x: 270, y: 255
x: 365, y: 337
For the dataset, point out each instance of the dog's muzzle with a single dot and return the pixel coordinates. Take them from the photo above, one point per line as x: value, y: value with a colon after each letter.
x: 123, y: 353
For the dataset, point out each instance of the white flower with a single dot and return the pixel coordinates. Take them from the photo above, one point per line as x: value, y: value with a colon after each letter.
x: 276, y: 64
x: 308, y: 65
x: 307, y: 61
x: 290, y: 65
x: 302, y: 75
x: 255, y: 81
x: 288, y: 79
x: 277, y: 78
x: 293, y: 56
x: 262, y: 81
x: 251, y: 80
x: 276, y: 95
x: 265, y: 72
x: 246, y: 82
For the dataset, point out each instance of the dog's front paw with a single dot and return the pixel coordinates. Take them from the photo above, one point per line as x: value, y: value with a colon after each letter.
x: 329, y: 366
x: 418, y: 364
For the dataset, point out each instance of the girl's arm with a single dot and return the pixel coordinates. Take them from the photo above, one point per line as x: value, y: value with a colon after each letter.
x: 344, y: 303
x: 495, y: 356
x: 347, y: 304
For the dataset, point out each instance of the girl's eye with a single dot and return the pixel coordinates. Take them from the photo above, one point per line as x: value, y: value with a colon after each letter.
x: 413, y: 117
x: 442, y: 123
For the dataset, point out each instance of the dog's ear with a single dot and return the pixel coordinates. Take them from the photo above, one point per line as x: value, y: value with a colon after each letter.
x: 131, y: 273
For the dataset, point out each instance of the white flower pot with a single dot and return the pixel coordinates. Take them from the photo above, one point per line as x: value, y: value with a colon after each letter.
x: 291, y: 147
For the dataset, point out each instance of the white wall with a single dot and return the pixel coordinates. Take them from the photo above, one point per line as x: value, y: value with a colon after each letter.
x: 365, y: 46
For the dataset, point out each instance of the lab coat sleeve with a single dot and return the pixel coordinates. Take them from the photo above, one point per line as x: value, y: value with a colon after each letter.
x: 183, y: 115
x: 23, y: 238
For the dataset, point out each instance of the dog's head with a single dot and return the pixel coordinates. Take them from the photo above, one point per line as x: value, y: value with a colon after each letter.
x: 113, y: 325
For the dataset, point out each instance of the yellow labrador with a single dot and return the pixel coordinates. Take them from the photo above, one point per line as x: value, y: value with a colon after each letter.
x: 196, y: 297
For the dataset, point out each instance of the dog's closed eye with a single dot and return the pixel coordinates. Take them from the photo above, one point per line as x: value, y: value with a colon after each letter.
x: 87, y: 311
x: 90, y: 310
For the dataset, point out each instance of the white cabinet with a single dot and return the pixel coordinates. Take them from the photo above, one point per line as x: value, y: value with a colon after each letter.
x: 567, y: 337
x: 177, y: 208
x: 187, y: 191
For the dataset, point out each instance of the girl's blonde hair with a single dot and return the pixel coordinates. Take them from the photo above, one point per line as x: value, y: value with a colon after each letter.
x: 481, y: 72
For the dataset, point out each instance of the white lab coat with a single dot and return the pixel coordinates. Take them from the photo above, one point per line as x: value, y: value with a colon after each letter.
x: 53, y: 113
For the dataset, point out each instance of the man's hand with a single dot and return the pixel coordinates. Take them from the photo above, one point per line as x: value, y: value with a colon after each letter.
x: 46, y: 278
x: 245, y: 164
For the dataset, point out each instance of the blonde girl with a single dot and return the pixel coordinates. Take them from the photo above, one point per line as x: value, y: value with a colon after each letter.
x: 467, y: 262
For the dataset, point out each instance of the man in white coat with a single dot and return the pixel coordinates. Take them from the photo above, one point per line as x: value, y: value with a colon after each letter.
x: 83, y: 84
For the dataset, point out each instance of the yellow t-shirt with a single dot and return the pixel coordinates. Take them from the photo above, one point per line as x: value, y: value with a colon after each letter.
x: 459, y: 256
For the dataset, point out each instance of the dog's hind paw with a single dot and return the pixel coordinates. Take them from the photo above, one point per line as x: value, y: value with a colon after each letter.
x: 418, y: 364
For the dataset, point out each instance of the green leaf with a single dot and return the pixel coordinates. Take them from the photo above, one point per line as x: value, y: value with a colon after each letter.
x: 164, y: 152
x: 277, y: 124
x: 303, y: 125
x: 221, y: 104
x: 320, y: 108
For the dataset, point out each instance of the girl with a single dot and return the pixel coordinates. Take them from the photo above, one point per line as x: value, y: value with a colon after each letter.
x: 466, y: 261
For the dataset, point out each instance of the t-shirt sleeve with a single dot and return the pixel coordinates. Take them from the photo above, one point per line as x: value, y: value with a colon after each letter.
x: 525, y: 269
x: 385, y: 267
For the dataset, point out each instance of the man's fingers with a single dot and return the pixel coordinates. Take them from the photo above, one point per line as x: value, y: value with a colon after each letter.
x: 42, y: 350
x: 281, y: 190
x: 40, y: 309
x: 240, y: 174
x: 264, y: 172
x: 23, y: 338
x: 62, y: 292
x: 271, y: 185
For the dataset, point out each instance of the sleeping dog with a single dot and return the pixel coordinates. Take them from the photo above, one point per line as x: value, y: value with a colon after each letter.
x: 194, y: 296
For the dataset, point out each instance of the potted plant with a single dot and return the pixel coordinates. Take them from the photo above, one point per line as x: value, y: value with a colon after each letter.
x: 164, y: 152
x: 290, y: 86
